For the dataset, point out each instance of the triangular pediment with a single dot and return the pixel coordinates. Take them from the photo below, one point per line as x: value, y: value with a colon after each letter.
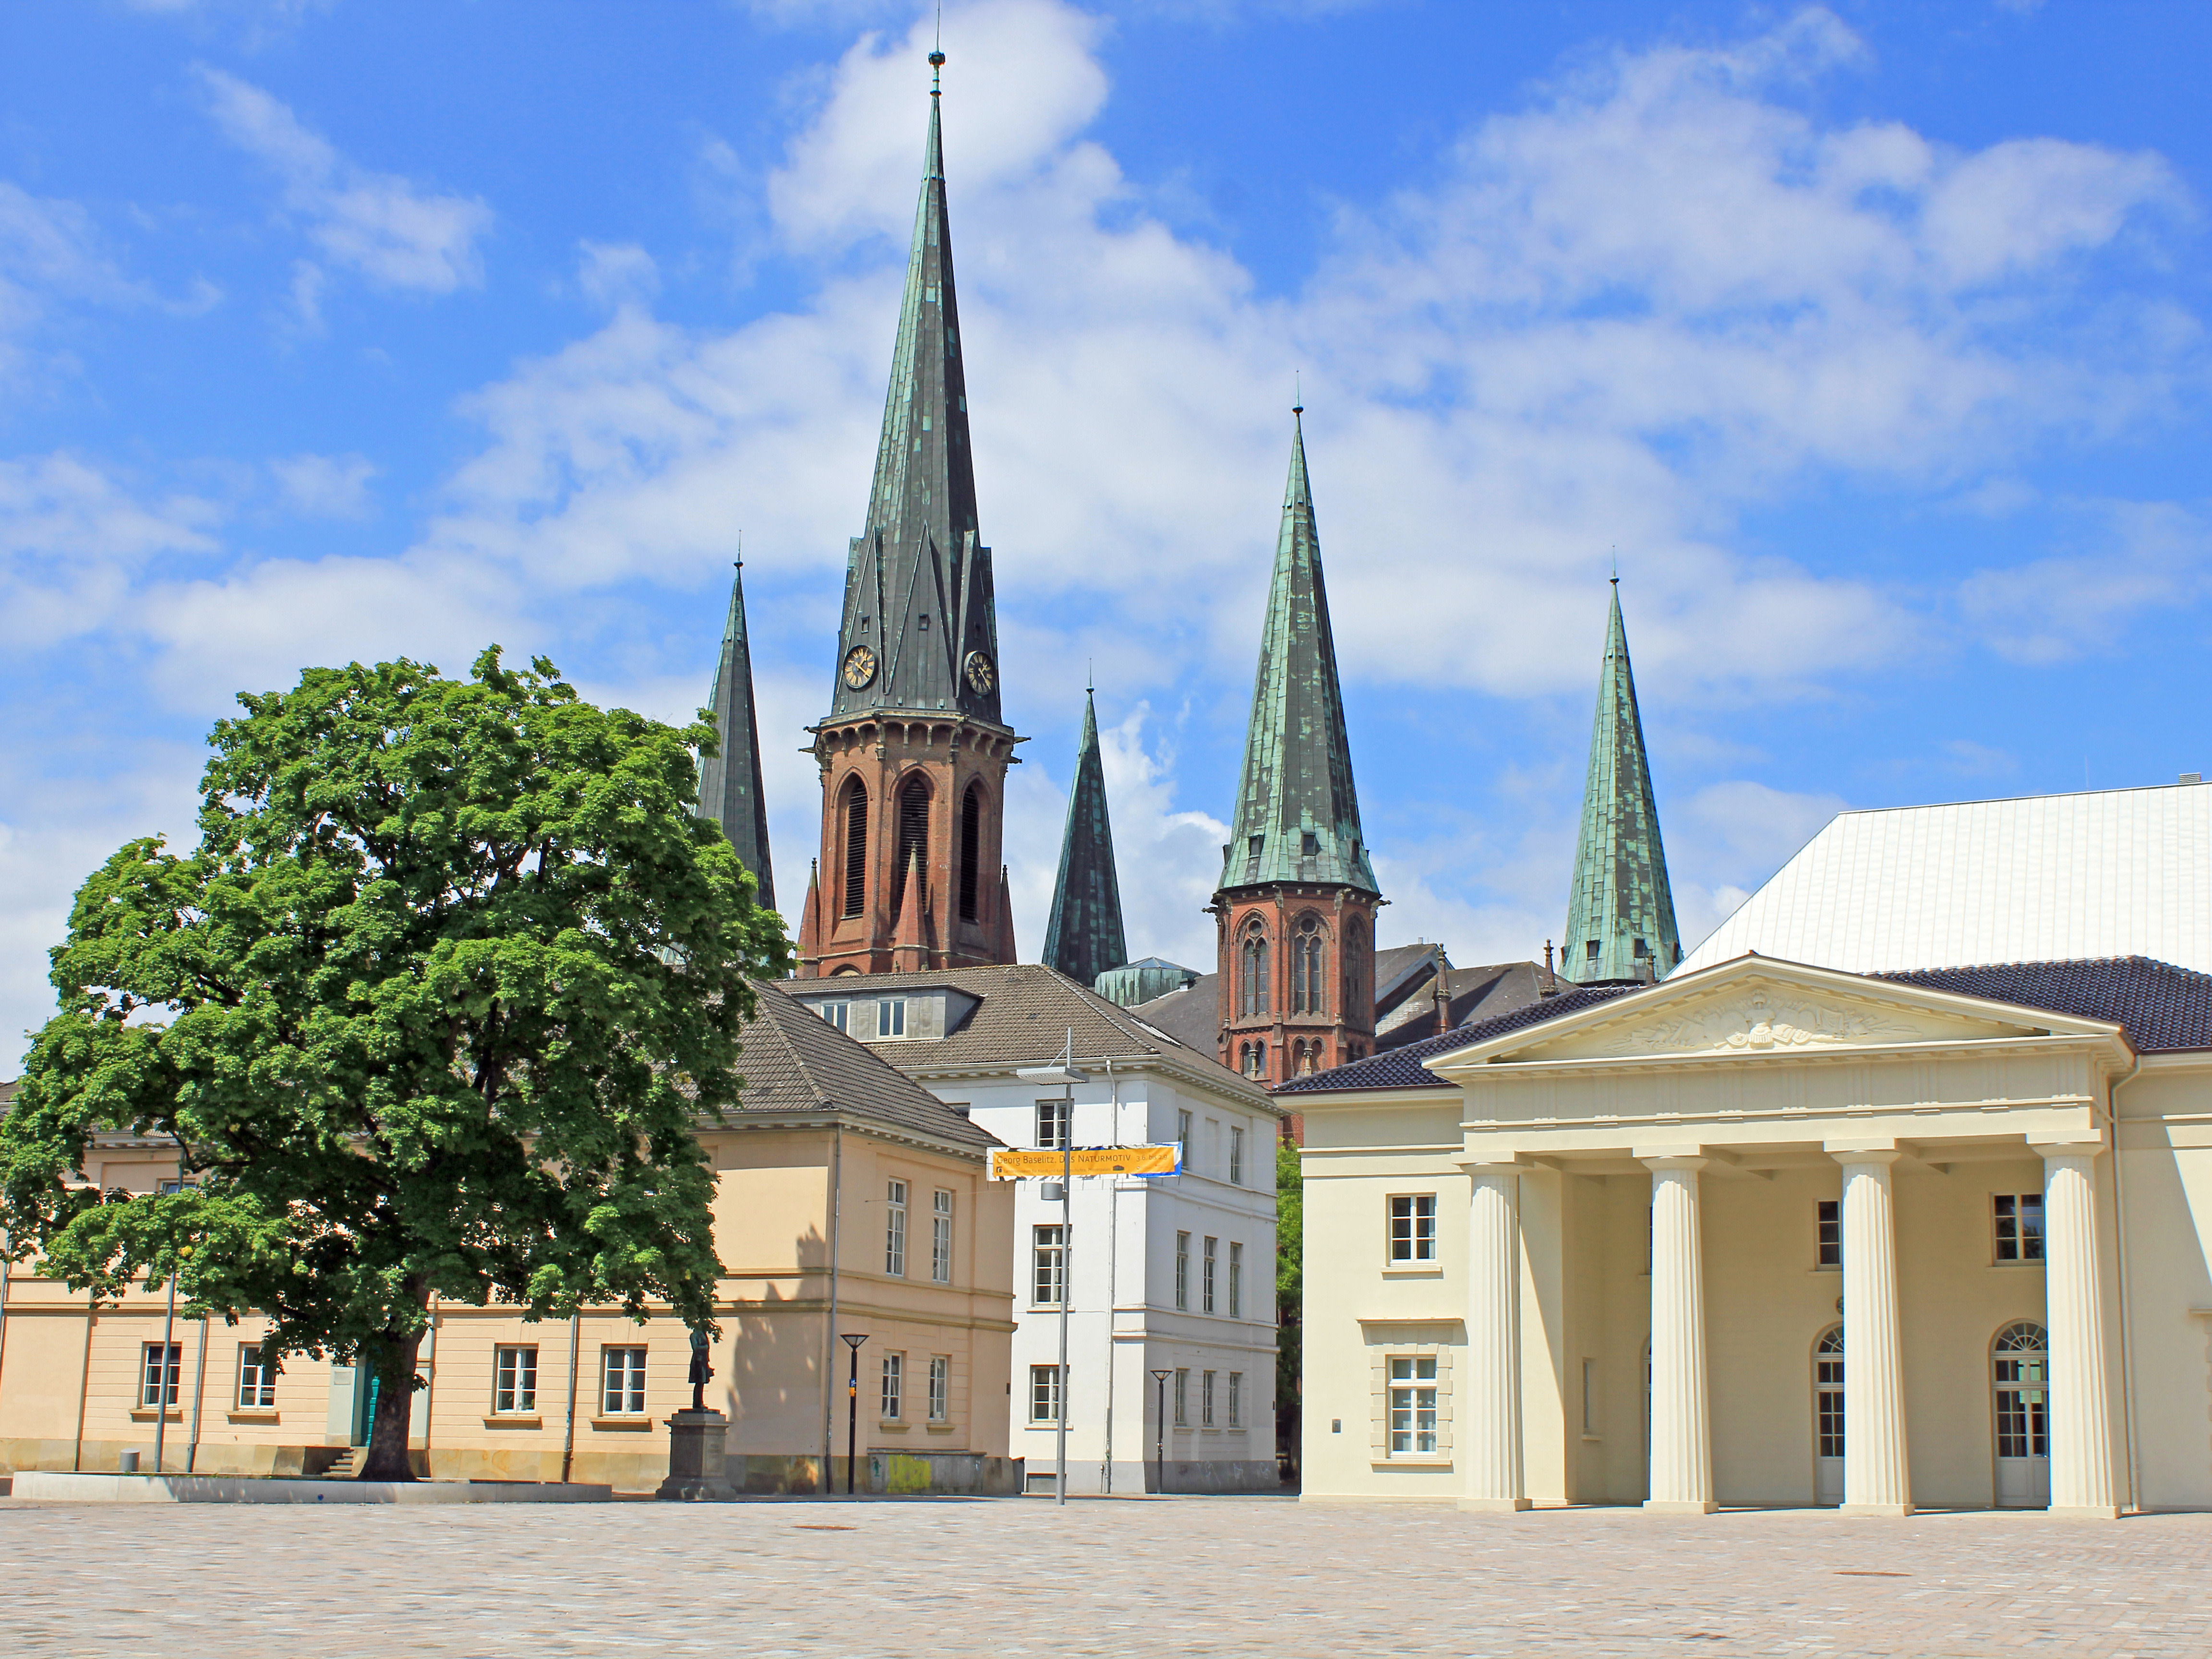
x: 1755, y: 1007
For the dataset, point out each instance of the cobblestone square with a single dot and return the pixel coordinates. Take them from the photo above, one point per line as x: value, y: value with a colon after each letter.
x: 1107, y: 1577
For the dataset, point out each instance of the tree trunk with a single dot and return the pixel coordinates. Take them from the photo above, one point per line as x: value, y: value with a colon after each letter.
x: 389, y: 1429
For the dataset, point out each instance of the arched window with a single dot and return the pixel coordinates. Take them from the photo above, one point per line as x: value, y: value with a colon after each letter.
x: 912, y: 833
x: 1308, y: 954
x: 856, y: 848
x: 1354, y: 955
x: 1828, y: 1417
x: 1308, y: 1059
x: 971, y: 842
x: 1252, y: 971
x: 2021, y: 1372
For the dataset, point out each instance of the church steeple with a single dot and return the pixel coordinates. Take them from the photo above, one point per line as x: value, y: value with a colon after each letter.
x: 1295, y: 907
x: 730, y: 782
x: 1084, y: 938
x: 914, y: 752
x: 1297, y: 814
x: 919, y: 631
x: 1621, y: 913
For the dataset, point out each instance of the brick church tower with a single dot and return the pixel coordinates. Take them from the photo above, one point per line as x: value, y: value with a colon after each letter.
x: 1295, y: 911
x: 914, y: 754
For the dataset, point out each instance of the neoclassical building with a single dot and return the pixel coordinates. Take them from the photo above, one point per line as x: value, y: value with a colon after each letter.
x: 1774, y: 1232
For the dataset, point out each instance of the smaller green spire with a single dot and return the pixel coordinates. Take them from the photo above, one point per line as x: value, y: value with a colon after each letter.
x: 730, y: 782
x: 1297, y: 812
x: 1084, y: 938
x: 1621, y: 911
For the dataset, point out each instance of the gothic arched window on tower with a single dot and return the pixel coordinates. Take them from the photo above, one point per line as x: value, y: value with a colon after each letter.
x: 1355, y: 959
x: 1308, y: 989
x: 971, y: 843
x: 912, y: 833
x: 856, y: 848
x: 1254, y: 1057
x: 1252, y: 971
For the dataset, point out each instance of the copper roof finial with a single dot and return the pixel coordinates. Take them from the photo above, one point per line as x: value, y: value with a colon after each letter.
x: 937, y: 54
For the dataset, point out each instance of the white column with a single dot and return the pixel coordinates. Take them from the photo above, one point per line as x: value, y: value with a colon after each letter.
x: 1491, y: 1426
x: 2082, y: 1484
x: 1877, y: 1472
x: 1681, y: 1425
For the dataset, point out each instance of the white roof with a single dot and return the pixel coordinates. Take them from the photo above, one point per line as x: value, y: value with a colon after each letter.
x: 2041, y: 878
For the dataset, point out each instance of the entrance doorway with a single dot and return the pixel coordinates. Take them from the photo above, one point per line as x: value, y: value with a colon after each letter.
x: 2020, y: 1368
x: 1828, y: 1418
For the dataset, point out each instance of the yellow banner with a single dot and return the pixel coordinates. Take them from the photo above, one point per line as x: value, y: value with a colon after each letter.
x: 1034, y: 1164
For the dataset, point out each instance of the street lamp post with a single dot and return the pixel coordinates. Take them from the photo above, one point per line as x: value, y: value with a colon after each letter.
x: 1160, y: 1445
x: 852, y: 1409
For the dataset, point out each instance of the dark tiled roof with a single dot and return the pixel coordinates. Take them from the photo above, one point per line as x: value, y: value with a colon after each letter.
x: 1475, y: 994
x: 794, y: 1060
x: 2163, y: 1007
x: 1025, y: 1013
x: 1192, y: 1016
x: 1403, y: 1068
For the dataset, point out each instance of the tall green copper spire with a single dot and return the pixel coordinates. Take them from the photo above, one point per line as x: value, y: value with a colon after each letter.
x: 1621, y: 913
x: 920, y: 630
x: 1084, y: 938
x: 1298, y: 815
x: 730, y: 782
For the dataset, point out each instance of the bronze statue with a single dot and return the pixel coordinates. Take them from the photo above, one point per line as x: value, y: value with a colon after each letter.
x: 701, y: 1371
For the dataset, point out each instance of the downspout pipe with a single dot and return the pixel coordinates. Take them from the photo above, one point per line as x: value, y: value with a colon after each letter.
x: 830, y: 1337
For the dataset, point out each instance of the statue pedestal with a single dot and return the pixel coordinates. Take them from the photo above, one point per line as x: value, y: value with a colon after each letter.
x: 695, y: 1463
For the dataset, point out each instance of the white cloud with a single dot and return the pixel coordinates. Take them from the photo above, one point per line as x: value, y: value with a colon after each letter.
x: 2132, y: 557
x: 613, y: 274
x: 392, y: 231
x: 73, y: 539
x: 325, y: 486
x: 1727, y: 838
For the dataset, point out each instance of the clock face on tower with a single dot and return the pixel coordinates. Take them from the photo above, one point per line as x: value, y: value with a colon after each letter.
x: 859, y: 666
x: 981, y: 675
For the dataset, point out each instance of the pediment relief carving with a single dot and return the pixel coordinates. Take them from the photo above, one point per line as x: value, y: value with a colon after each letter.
x: 1753, y: 1020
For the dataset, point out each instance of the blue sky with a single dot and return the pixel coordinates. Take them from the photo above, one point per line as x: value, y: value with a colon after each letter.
x: 1871, y: 337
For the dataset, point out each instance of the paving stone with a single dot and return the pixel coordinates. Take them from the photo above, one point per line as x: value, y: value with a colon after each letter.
x: 1021, y: 1577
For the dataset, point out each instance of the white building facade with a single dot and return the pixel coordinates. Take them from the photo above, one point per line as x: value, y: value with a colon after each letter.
x: 1173, y: 1275
x: 1772, y: 1233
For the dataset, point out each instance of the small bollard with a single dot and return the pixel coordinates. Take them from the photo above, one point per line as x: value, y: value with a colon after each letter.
x: 128, y: 1462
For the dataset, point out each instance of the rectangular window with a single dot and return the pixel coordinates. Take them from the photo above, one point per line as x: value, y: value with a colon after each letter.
x: 894, y: 1384
x: 1048, y: 1266
x: 257, y: 1379
x: 2019, y: 1218
x: 1413, y: 1229
x: 941, y: 1387
x: 895, y: 1230
x: 1052, y: 1125
x: 1182, y: 1139
x: 1235, y: 1157
x: 514, y: 1379
x: 1235, y: 1281
x: 839, y: 1014
x: 1828, y: 1227
x: 1236, y: 1400
x: 1182, y: 1270
x: 1412, y: 1405
x: 158, y: 1380
x: 891, y: 1018
x: 940, y: 1236
x: 1044, y: 1393
x: 622, y: 1382
x: 1181, y: 1398
x: 1205, y: 1284
x: 1205, y: 1400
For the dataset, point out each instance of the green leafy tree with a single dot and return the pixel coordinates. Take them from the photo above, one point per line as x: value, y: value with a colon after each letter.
x: 1290, y: 1293
x: 434, y: 1008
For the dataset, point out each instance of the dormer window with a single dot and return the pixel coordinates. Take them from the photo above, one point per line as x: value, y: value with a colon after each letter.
x: 1642, y: 950
x: 925, y: 622
x: 1589, y: 951
x: 1310, y: 845
x: 891, y: 1018
x: 839, y: 1014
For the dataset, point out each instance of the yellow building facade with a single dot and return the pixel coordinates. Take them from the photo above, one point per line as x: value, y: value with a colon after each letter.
x: 848, y: 1200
